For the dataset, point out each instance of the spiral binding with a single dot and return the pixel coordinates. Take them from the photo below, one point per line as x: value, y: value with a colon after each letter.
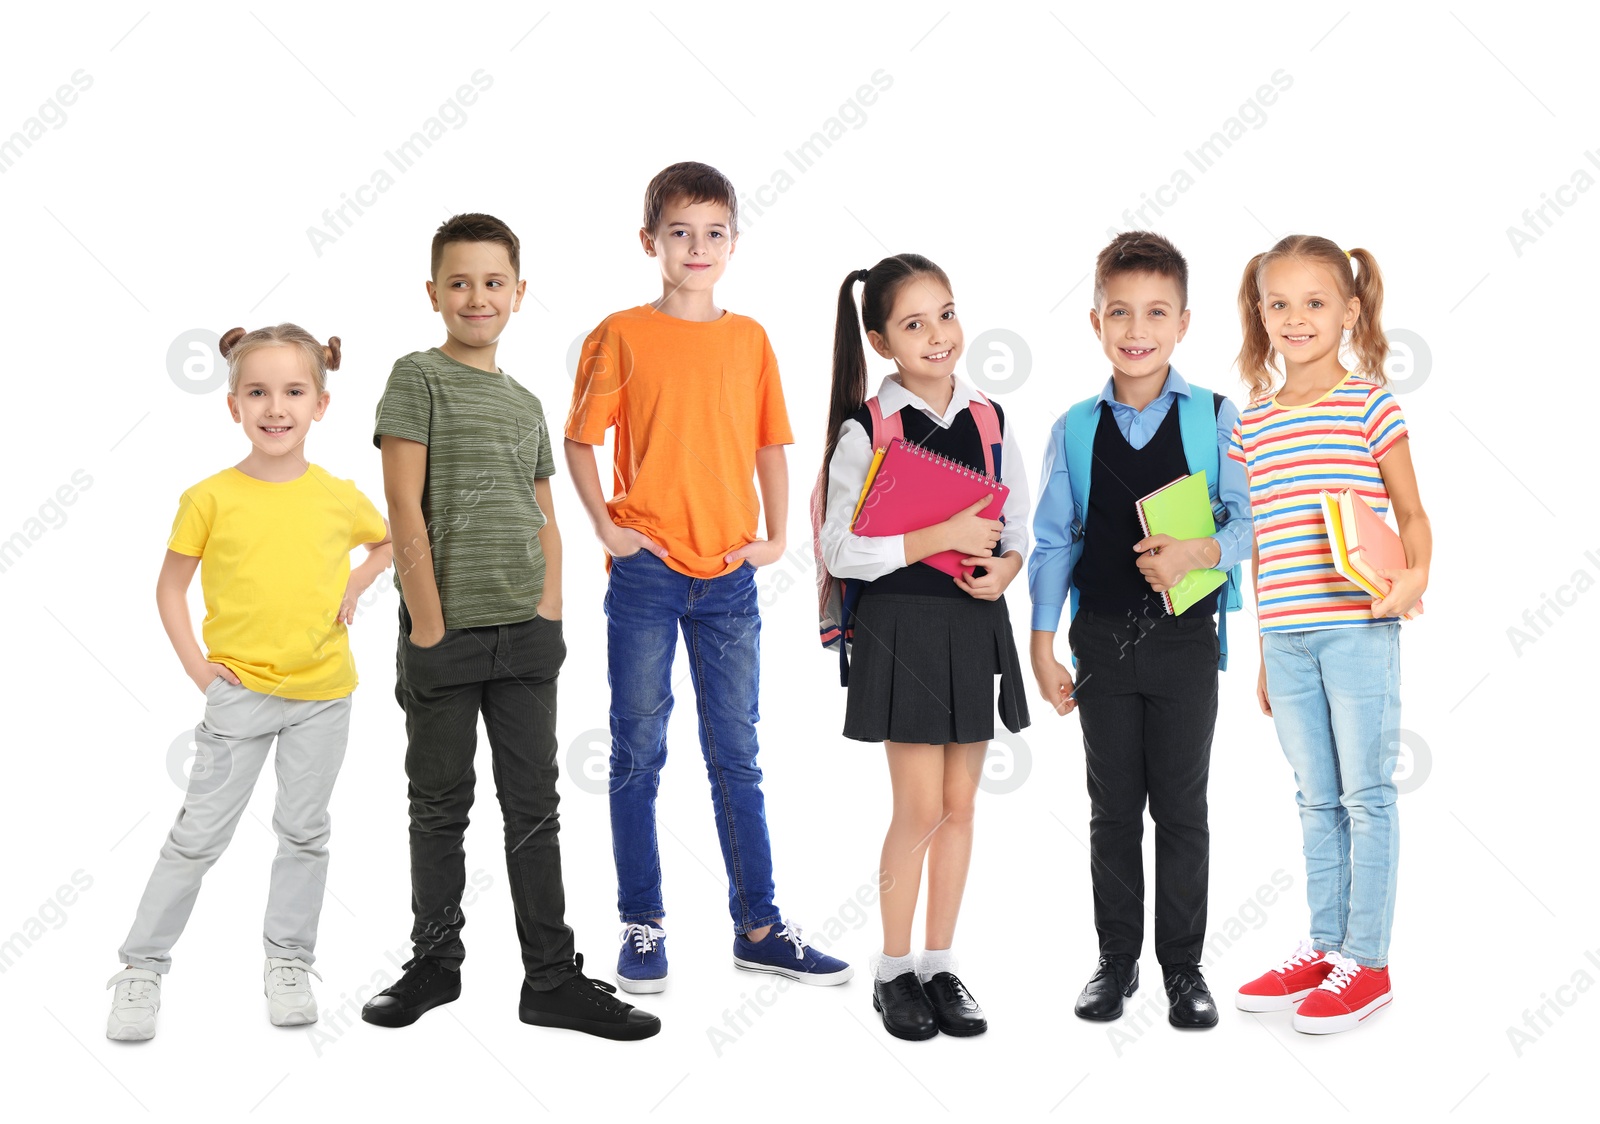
x: 951, y: 463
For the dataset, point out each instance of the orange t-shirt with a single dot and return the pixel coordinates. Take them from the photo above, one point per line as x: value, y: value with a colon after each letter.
x: 692, y: 402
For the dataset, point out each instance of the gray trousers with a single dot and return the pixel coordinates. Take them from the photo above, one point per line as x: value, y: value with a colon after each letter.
x: 232, y: 743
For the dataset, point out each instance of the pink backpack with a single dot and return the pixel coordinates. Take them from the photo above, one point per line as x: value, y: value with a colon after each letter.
x: 836, y: 597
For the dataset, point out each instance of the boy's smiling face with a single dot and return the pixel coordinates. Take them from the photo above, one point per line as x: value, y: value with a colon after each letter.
x: 1303, y: 311
x: 475, y: 292
x: 1139, y: 323
x: 693, y: 243
x: 277, y: 399
x: 921, y: 333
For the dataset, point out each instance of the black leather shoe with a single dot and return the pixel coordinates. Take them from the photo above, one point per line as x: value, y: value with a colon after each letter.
x: 905, y: 1008
x: 582, y: 1004
x: 954, y: 1009
x: 1115, y: 980
x: 1189, y: 999
x: 426, y: 984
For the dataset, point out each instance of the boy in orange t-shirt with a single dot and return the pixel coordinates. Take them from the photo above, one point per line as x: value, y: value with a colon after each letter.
x: 693, y: 393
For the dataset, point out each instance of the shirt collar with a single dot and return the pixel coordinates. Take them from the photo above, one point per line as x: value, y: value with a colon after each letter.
x: 893, y: 396
x: 1175, y: 384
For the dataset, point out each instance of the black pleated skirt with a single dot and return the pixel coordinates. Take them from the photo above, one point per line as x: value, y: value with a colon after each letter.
x: 923, y: 669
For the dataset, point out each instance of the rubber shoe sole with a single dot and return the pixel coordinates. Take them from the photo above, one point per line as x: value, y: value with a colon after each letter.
x: 141, y: 1031
x: 812, y: 978
x: 620, y: 1032
x: 1259, y: 1003
x: 878, y: 1007
x: 642, y: 987
x: 1331, y: 1024
x: 408, y: 1015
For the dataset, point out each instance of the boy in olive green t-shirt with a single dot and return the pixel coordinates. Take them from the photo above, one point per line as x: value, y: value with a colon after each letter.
x: 466, y: 468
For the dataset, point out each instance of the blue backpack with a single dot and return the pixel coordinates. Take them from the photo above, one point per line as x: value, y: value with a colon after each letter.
x: 1198, y: 428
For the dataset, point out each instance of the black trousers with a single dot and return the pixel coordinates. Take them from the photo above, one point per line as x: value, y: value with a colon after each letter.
x: 508, y: 673
x: 1147, y: 705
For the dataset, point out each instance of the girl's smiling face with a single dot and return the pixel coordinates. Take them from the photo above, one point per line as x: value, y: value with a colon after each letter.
x: 277, y: 399
x: 1304, y: 312
x: 921, y: 333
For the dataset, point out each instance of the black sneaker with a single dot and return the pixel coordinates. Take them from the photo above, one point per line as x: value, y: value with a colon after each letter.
x: 906, y: 1010
x: 958, y: 1014
x: 427, y: 983
x: 580, y: 1003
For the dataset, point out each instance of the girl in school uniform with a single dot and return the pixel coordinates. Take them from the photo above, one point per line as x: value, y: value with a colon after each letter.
x: 927, y: 647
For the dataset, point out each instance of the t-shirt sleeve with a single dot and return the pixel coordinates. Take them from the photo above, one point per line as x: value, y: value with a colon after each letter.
x: 597, y: 387
x: 772, y: 416
x: 546, y: 464
x: 1383, y: 423
x: 366, y: 522
x: 1236, y: 441
x: 406, y: 408
x: 191, y: 528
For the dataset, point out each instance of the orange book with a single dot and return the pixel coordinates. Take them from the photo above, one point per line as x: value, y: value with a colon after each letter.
x: 1362, y: 544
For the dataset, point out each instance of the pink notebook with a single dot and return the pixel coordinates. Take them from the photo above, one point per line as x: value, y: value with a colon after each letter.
x: 1367, y: 545
x: 915, y: 488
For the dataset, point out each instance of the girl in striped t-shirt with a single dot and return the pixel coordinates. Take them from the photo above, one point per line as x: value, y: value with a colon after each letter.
x: 1330, y: 653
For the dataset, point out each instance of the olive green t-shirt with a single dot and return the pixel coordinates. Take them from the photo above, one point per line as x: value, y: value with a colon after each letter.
x: 487, y: 443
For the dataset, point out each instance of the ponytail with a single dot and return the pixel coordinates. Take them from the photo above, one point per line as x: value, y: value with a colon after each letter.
x: 849, y: 364
x: 1255, y: 352
x: 1367, y: 341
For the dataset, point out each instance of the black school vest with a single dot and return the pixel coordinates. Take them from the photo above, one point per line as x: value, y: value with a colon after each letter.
x: 1107, y: 574
x: 960, y: 443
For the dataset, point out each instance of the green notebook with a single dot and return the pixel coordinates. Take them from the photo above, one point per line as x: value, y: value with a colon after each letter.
x: 1182, y: 509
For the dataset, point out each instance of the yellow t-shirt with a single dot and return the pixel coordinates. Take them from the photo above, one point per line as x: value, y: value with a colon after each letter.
x: 274, y: 564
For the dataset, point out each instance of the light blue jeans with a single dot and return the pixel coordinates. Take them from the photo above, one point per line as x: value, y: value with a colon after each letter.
x: 1335, y: 696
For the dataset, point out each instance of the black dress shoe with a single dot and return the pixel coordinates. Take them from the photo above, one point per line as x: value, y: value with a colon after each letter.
x: 956, y: 1012
x: 905, y: 1008
x: 582, y: 1004
x: 425, y: 985
x: 1189, y: 999
x: 1115, y: 980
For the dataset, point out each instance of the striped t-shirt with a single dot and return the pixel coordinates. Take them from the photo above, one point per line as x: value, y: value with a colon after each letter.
x: 1292, y: 453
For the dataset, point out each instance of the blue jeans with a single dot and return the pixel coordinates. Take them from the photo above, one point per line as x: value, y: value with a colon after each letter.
x: 647, y: 603
x: 1335, y: 695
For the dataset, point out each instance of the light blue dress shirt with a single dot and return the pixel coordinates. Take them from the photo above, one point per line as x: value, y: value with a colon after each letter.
x: 1050, y: 569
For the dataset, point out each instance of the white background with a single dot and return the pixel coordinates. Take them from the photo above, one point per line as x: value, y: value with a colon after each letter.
x: 177, y: 195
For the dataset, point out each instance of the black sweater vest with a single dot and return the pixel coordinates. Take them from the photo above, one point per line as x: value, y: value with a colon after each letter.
x: 1107, y: 574
x: 960, y: 443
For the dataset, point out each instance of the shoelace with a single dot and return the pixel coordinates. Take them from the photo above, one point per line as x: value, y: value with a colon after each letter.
x: 791, y: 933
x: 957, y: 988
x: 418, y: 971
x: 645, y: 937
x: 1304, y: 954
x: 288, y: 975
x: 1122, y: 965
x: 1344, y: 970
x: 1185, y: 980
x: 597, y: 992
x: 908, y: 986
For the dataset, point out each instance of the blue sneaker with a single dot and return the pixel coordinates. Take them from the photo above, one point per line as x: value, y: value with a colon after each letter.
x: 784, y: 952
x: 642, y: 961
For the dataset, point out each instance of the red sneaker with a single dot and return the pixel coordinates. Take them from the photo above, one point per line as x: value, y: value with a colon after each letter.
x: 1349, y: 994
x: 1287, y: 984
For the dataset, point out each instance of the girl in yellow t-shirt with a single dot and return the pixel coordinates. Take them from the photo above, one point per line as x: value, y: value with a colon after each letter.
x: 272, y: 538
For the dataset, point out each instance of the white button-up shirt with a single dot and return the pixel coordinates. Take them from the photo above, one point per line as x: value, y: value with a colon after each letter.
x: 870, y: 557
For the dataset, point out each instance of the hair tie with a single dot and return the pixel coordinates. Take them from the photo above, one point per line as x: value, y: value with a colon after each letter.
x: 1347, y: 255
x: 862, y: 274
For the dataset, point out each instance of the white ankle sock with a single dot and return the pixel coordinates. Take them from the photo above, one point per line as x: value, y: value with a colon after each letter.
x: 887, y: 968
x: 933, y: 961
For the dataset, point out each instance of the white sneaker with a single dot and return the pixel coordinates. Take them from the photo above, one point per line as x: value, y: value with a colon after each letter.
x: 288, y: 991
x: 133, y: 1005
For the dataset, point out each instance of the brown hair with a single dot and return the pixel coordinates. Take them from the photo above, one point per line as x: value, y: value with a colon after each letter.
x: 695, y: 183
x: 476, y: 228
x: 236, y: 343
x: 1258, y: 359
x: 883, y: 283
x: 1139, y: 251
